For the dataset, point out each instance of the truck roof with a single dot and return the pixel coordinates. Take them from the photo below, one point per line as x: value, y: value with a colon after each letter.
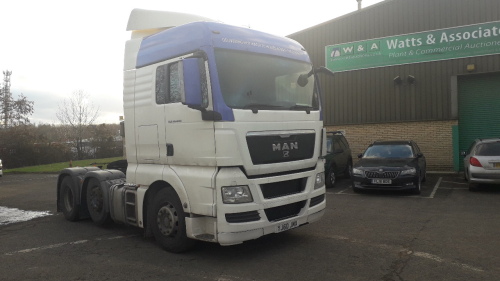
x: 169, y: 43
x: 146, y: 22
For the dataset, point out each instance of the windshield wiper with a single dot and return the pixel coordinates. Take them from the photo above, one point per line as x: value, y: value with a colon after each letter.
x: 256, y: 106
x: 307, y: 108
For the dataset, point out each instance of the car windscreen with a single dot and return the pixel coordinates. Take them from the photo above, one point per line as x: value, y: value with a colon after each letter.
x: 389, y: 151
x: 257, y: 81
x: 488, y: 149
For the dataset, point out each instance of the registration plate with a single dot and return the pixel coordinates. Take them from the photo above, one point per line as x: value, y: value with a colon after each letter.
x: 287, y: 225
x: 381, y: 181
x: 496, y: 165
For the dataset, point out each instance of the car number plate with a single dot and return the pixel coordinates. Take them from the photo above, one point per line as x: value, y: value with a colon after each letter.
x: 381, y: 181
x: 287, y: 225
x: 496, y: 165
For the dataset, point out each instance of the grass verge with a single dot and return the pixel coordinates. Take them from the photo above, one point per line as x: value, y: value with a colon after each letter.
x: 57, y: 167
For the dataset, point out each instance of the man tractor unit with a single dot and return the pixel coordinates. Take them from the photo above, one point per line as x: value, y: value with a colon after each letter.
x: 224, y: 137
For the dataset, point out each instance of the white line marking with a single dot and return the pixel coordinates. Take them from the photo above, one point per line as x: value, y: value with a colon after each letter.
x: 438, y: 259
x: 404, y: 250
x: 342, y: 191
x: 46, y: 247
x: 53, y: 246
x: 436, y: 187
x: 454, y: 182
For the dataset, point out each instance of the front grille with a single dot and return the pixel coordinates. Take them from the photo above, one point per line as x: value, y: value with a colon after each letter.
x: 283, y: 188
x: 279, y: 147
x: 382, y: 175
x: 316, y: 200
x: 284, y: 212
x: 243, y: 217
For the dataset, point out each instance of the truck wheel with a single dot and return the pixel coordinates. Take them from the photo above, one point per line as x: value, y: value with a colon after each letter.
x: 168, y: 222
x: 68, y: 199
x: 97, y: 203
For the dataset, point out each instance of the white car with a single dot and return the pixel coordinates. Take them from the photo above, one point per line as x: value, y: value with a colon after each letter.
x: 482, y: 162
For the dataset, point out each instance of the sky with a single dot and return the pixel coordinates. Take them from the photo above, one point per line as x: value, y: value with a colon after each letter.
x: 57, y: 47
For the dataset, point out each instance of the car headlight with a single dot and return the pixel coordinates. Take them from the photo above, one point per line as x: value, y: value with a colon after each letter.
x: 319, y: 181
x: 411, y: 171
x: 236, y: 194
x: 357, y: 172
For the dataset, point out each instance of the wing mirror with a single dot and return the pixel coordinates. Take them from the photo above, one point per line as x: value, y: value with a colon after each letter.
x: 191, y: 75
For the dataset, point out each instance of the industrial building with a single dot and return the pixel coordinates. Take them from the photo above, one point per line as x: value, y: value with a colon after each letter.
x: 426, y: 70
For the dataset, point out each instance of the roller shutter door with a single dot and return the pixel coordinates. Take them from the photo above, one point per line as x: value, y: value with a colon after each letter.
x: 478, y: 108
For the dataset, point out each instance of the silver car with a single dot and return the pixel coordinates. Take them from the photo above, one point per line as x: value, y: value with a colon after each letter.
x: 482, y: 162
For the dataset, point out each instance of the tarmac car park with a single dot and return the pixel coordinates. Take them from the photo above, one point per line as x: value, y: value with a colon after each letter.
x: 444, y: 233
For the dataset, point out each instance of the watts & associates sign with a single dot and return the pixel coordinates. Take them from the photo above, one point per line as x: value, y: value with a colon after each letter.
x: 451, y: 43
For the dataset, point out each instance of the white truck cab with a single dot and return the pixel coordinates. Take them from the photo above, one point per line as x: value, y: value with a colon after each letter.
x: 224, y: 136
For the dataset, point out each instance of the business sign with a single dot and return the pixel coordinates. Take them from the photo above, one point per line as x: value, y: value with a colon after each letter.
x: 451, y: 43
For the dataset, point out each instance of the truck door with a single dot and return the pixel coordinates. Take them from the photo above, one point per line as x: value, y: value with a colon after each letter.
x: 189, y: 140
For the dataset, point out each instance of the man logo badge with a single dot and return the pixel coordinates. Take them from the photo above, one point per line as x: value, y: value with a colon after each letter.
x: 285, y: 147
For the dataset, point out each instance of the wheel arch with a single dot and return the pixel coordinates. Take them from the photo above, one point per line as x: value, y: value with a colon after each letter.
x: 153, y: 189
x: 76, y: 175
x: 104, y: 177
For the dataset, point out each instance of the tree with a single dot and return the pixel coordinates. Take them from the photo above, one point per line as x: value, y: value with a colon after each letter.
x: 78, y: 113
x: 105, y: 141
x: 13, y: 112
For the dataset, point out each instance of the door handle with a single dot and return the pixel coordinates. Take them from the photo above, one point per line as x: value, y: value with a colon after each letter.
x: 170, y: 149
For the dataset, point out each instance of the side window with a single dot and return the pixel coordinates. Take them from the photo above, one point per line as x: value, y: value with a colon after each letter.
x: 168, y: 83
x: 175, y: 83
x: 329, y: 146
x: 161, y: 84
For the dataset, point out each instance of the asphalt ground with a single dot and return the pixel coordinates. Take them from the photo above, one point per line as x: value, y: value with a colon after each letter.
x: 445, y: 233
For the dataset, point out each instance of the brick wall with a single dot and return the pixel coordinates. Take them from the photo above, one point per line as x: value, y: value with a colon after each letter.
x: 434, y: 139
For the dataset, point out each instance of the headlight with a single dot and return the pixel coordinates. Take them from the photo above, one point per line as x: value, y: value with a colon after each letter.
x: 357, y: 172
x: 236, y: 194
x: 411, y: 171
x: 319, y: 181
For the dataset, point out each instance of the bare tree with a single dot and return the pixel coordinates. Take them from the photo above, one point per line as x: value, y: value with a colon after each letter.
x: 78, y: 113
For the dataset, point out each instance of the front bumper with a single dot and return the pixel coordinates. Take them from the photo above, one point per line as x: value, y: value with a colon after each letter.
x: 270, y: 211
x: 399, y: 183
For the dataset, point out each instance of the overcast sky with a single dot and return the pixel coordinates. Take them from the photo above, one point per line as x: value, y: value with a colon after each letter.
x: 56, y: 47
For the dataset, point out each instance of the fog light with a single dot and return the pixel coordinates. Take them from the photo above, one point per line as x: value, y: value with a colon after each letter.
x: 236, y: 194
x: 320, y: 180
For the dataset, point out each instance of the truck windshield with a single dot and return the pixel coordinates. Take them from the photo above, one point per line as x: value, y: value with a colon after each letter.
x: 256, y: 81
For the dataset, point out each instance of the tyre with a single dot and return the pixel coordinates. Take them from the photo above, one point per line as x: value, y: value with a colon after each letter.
x: 330, y: 178
x: 68, y: 199
x: 97, y: 202
x: 348, y: 170
x: 168, y: 222
x: 418, y: 189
